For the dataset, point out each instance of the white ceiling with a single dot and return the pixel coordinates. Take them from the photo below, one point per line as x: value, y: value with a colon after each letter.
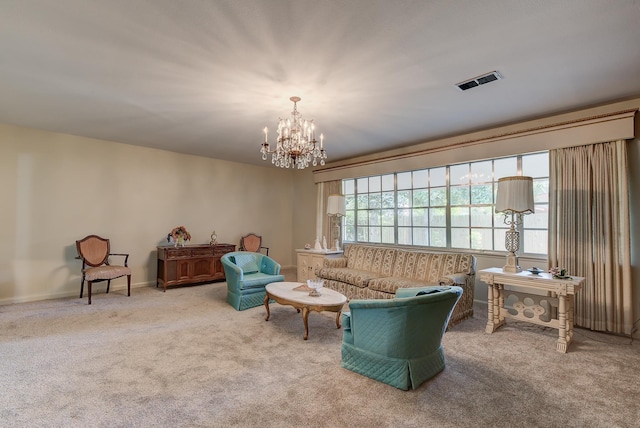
x: 204, y: 77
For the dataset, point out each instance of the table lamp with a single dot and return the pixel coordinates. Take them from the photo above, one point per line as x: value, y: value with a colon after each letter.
x: 335, y: 210
x: 514, y: 199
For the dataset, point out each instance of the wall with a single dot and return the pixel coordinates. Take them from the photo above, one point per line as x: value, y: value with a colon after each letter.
x: 304, y: 210
x: 58, y: 188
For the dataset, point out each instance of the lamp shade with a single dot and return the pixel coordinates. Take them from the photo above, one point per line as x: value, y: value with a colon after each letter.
x: 335, y: 205
x: 515, y: 194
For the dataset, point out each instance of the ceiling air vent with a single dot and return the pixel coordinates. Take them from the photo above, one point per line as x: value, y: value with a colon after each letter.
x: 480, y: 80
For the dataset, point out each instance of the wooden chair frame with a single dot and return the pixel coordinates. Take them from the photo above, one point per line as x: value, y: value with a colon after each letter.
x: 94, y: 251
x: 254, y: 243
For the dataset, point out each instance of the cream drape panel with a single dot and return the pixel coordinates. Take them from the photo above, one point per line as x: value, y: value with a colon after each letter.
x: 323, y: 222
x: 589, y: 231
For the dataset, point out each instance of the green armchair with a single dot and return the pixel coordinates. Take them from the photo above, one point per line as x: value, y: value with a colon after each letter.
x: 247, y: 274
x: 398, y: 341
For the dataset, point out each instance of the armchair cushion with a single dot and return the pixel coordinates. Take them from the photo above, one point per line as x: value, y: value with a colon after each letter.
x: 257, y: 280
x: 247, y: 262
x: 105, y: 272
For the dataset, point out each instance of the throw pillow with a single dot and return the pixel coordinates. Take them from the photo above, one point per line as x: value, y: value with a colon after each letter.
x: 247, y: 262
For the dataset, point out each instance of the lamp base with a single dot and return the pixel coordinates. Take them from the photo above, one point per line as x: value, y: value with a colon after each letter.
x: 512, y: 264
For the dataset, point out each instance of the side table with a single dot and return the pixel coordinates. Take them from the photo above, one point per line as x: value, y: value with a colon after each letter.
x: 528, y: 307
x: 310, y: 260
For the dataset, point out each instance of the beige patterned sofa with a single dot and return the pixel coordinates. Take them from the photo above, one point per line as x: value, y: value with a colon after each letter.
x: 376, y: 272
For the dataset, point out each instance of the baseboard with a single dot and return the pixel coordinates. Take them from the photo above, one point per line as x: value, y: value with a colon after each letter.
x: 68, y: 293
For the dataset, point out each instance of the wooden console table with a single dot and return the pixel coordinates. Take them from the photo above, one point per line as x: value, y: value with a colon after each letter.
x: 533, y: 308
x: 191, y: 264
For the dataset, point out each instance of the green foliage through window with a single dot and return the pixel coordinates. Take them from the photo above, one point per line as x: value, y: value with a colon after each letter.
x: 446, y: 207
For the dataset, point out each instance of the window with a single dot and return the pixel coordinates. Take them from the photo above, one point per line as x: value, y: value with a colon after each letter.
x: 446, y: 207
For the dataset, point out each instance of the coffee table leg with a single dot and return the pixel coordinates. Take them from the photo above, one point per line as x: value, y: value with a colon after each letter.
x: 266, y: 305
x: 338, y: 321
x: 305, y: 319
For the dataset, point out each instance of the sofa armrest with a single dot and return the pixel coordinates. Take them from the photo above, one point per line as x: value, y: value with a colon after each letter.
x: 453, y: 279
x: 340, y: 262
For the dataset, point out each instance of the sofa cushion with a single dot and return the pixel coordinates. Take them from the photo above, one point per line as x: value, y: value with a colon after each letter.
x: 430, y: 267
x: 247, y: 262
x: 369, y: 258
x: 391, y: 283
x: 359, y: 278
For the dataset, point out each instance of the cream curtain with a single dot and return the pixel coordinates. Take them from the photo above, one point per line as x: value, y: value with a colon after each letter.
x: 323, y: 222
x: 589, y: 231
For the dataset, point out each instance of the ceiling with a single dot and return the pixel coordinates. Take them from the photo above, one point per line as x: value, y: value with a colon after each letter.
x: 204, y: 77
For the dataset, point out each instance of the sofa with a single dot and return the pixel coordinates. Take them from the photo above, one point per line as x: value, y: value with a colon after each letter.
x: 376, y: 272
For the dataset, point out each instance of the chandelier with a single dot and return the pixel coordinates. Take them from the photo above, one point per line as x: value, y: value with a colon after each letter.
x: 296, y: 145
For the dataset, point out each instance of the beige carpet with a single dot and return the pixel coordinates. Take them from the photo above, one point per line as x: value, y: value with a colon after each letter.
x: 185, y: 358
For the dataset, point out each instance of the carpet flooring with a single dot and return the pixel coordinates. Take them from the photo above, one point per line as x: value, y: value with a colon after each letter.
x: 185, y: 358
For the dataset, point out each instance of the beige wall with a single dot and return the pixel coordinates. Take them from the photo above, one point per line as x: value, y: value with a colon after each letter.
x: 304, y: 209
x: 58, y: 188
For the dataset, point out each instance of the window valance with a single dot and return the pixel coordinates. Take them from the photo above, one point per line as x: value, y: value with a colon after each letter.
x: 576, y: 132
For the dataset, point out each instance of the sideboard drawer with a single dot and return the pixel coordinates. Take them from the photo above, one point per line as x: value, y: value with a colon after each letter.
x: 220, y: 250
x: 202, y: 252
x: 174, y: 253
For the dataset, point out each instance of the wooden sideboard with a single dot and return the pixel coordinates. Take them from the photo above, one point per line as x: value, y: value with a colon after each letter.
x: 191, y: 264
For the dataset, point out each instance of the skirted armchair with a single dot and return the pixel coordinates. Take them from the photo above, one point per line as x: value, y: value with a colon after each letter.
x: 247, y: 275
x: 399, y: 341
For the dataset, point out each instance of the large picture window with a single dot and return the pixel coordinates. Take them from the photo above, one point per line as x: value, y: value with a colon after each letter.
x: 450, y: 206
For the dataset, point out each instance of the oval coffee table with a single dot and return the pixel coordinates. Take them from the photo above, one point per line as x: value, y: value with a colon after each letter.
x: 284, y: 293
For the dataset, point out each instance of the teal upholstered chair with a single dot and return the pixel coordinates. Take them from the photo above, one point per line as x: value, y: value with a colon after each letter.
x: 398, y: 341
x: 247, y: 275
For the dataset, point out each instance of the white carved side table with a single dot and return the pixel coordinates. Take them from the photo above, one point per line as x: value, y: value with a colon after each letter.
x: 529, y: 307
x: 310, y: 260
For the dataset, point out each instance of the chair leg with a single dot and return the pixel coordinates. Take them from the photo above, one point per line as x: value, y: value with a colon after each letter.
x: 89, y: 290
x: 128, y: 285
x: 82, y: 287
x: 108, y: 285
